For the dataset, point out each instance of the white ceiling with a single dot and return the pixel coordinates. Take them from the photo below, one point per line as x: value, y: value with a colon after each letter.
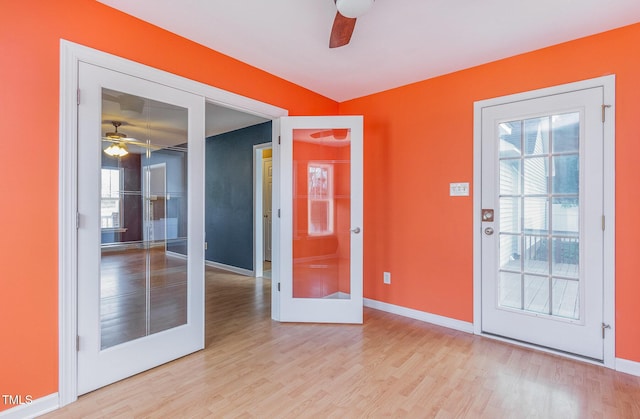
x: 396, y: 43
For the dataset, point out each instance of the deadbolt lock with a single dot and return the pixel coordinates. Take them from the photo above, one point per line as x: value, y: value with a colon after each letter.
x: 487, y: 215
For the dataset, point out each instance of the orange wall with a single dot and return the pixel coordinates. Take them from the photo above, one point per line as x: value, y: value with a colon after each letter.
x: 419, y: 138
x: 30, y: 33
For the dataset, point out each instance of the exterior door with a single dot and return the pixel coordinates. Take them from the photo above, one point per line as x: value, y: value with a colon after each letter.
x: 140, y: 295
x: 321, y: 219
x: 542, y: 221
x: 267, y: 193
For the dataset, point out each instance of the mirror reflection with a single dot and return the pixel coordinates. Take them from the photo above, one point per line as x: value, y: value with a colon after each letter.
x: 143, y: 217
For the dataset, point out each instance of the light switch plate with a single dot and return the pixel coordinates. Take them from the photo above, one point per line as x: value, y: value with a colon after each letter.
x: 459, y: 189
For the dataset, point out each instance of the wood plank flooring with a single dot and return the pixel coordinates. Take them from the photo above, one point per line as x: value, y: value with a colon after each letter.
x: 131, y: 307
x: 389, y: 367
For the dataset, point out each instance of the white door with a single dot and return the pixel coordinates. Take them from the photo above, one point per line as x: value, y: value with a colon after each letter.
x: 139, y: 305
x: 267, y: 193
x: 542, y: 232
x: 321, y: 219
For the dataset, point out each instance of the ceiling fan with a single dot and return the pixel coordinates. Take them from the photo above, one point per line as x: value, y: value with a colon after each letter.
x: 345, y: 20
x: 119, y: 142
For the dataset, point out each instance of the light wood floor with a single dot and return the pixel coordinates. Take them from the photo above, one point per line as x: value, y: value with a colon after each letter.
x: 389, y: 367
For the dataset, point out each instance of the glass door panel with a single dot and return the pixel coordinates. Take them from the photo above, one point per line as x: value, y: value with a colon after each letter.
x: 321, y: 213
x: 547, y: 191
x: 143, y: 268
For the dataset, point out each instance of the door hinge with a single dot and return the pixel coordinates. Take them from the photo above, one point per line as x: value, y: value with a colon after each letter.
x: 278, y: 212
x: 604, y: 108
x: 78, y: 97
x: 278, y: 139
x: 605, y: 326
x: 77, y: 220
x: 278, y: 286
x: 603, y: 224
x: 77, y: 343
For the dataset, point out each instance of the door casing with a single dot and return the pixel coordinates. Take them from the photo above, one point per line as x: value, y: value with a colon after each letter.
x: 608, y: 84
x: 70, y: 56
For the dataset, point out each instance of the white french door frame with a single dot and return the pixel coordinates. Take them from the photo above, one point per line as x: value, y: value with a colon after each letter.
x: 608, y: 85
x: 71, y: 54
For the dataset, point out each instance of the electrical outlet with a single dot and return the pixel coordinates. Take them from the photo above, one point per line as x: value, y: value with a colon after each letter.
x: 386, y: 277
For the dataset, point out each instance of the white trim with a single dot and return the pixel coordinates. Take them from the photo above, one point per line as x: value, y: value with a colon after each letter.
x: 258, y: 224
x: 67, y: 219
x: 176, y: 255
x: 34, y: 409
x: 234, y: 269
x: 71, y: 54
x: 628, y: 367
x: 423, y: 316
x: 608, y: 84
x: 339, y: 296
x: 275, y: 226
x: 609, y: 210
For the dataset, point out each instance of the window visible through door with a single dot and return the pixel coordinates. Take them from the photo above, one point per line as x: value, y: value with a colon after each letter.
x: 320, y: 199
x: 110, y: 202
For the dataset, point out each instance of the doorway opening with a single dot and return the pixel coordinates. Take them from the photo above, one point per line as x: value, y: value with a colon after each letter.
x: 263, y: 197
x: 234, y: 190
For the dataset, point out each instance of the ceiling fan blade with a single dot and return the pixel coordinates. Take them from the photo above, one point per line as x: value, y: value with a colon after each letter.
x: 341, y: 31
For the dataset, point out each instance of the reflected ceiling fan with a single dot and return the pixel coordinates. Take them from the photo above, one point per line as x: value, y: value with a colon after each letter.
x: 336, y: 133
x: 345, y: 20
x: 119, y: 142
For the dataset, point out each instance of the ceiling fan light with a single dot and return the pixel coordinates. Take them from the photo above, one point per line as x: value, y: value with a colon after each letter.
x: 116, y: 150
x: 353, y: 8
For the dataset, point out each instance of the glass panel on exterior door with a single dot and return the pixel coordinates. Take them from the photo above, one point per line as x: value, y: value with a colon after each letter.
x: 321, y: 213
x: 539, y: 215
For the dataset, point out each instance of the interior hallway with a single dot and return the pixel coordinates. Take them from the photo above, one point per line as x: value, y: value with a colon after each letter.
x: 390, y: 366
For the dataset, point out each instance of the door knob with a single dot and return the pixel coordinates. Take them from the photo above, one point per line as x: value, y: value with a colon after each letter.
x: 488, y: 231
x: 356, y: 230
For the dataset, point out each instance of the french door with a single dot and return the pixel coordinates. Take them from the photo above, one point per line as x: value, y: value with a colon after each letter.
x: 321, y: 219
x: 140, y: 230
x: 542, y: 221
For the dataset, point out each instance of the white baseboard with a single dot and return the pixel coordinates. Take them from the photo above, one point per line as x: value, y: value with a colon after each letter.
x: 234, y: 269
x: 36, y: 408
x: 338, y: 296
x: 628, y: 367
x: 420, y: 315
x: 176, y: 255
